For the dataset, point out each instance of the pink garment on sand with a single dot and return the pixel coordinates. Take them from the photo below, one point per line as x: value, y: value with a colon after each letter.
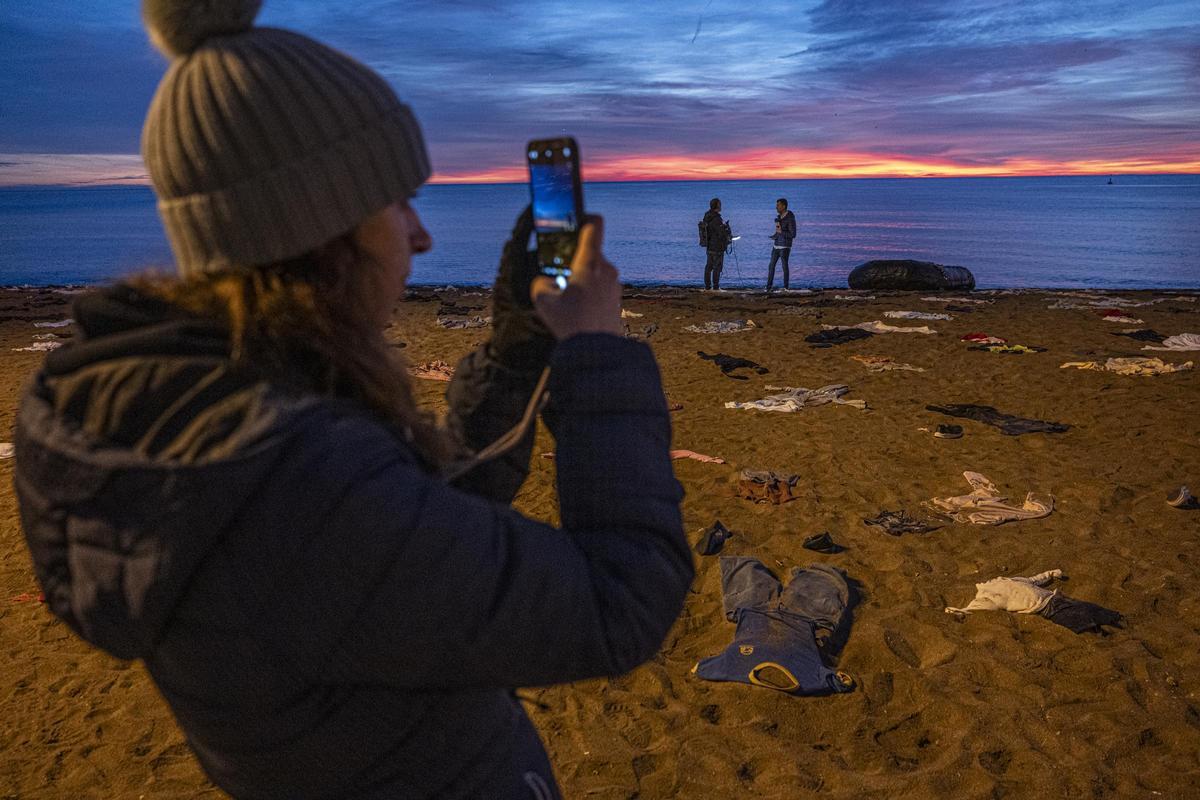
x: 678, y: 454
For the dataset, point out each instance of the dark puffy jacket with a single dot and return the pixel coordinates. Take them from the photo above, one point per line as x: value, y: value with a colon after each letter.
x: 325, y: 617
x: 787, y: 229
x: 718, y: 231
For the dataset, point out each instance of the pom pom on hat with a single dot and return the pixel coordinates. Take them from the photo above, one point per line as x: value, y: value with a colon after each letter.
x: 178, y: 27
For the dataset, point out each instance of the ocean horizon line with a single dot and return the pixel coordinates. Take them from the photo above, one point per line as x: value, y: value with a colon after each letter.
x: 642, y: 181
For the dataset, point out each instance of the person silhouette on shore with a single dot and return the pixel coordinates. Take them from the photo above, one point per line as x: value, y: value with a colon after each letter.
x: 785, y: 233
x: 716, y: 235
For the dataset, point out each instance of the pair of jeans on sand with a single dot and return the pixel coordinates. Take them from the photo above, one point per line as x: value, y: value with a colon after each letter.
x: 775, y: 642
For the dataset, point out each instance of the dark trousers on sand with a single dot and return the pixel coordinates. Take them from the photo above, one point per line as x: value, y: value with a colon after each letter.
x: 712, y: 269
x: 777, y: 254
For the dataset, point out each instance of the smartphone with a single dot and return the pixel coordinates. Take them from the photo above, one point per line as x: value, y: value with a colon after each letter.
x: 556, y: 190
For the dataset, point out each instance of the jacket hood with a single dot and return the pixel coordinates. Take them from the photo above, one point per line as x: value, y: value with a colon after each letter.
x: 136, y: 445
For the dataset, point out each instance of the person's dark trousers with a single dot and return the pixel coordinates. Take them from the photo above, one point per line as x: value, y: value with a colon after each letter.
x: 777, y: 254
x: 712, y: 269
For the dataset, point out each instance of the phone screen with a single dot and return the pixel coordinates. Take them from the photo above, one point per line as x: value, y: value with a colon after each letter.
x: 557, y: 194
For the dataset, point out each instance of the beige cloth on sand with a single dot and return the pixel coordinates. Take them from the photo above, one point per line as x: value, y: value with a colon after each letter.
x: 986, y: 506
x: 1018, y: 595
x: 885, y: 364
x: 792, y: 399
x: 879, y: 326
x: 1135, y: 365
x: 1184, y: 341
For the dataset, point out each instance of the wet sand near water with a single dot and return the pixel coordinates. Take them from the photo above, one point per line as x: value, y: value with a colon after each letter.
x: 991, y: 705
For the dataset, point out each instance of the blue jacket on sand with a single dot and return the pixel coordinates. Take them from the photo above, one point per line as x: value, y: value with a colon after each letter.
x: 324, y: 616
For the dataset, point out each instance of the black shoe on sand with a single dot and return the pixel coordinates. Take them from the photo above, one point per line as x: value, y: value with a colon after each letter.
x: 948, y: 432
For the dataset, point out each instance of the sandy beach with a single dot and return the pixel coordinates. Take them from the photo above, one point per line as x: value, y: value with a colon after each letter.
x: 987, y: 705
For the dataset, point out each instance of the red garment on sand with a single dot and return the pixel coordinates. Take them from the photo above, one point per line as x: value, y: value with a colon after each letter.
x: 983, y: 338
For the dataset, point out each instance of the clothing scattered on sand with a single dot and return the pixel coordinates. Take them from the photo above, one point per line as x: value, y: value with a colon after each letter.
x: 948, y: 432
x: 800, y: 311
x: 712, y: 539
x: 678, y: 454
x: 433, y: 371
x: 1018, y: 595
x: 729, y: 364
x: 1088, y: 305
x: 897, y: 523
x: 885, y: 364
x: 646, y: 332
x: 791, y: 399
x: 1008, y: 424
x: 62, y: 323
x: 1010, y: 349
x: 915, y: 315
x: 879, y: 326
x: 775, y: 642
x: 627, y: 314
x: 39, y: 347
x: 983, y: 338
x: 822, y: 543
x: 6, y: 450
x: 971, y: 300
x: 828, y: 338
x: 451, y: 310
x: 986, y: 506
x: 1031, y: 596
x: 467, y: 322
x: 1180, y: 498
x: 736, y: 326
x: 1142, y: 335
x: 1080, y: 616
x: 854, y: 297
x: 765, y: 486
x: 1134, y: 365
x: 49, y: 337
x: 1122, y: 318
x: 1182, y: 342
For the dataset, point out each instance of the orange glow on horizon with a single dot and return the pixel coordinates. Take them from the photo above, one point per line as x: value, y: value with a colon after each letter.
x: 801, y: 163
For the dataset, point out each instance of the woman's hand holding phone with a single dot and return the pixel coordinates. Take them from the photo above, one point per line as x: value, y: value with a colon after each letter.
x: 591, y: 301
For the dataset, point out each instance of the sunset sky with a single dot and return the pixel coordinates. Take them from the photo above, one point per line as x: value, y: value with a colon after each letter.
x: 672, y: 89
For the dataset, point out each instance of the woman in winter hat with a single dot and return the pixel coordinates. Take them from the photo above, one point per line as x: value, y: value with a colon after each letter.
x: 225, y: 475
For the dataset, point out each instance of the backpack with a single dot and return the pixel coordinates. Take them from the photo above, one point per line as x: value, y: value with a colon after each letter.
x: 703, y: 234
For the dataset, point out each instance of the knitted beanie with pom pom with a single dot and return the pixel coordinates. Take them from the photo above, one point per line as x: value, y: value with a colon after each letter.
x: 263, y: 144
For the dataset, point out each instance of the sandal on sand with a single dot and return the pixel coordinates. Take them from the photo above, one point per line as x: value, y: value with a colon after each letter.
x: 1182, y: 498
x: 948, y: 432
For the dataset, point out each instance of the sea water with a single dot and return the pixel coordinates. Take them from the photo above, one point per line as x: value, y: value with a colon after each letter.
x: 1138, y: 231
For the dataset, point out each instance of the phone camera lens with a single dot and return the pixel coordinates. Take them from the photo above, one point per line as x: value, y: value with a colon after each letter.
x: 566, y: 151
x: 533, y: 154
x: 549, y: 153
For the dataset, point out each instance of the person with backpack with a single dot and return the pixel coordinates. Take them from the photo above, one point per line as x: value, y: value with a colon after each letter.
x: 225, y: 474
x: 715, y: 236
x: 785, y: 233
